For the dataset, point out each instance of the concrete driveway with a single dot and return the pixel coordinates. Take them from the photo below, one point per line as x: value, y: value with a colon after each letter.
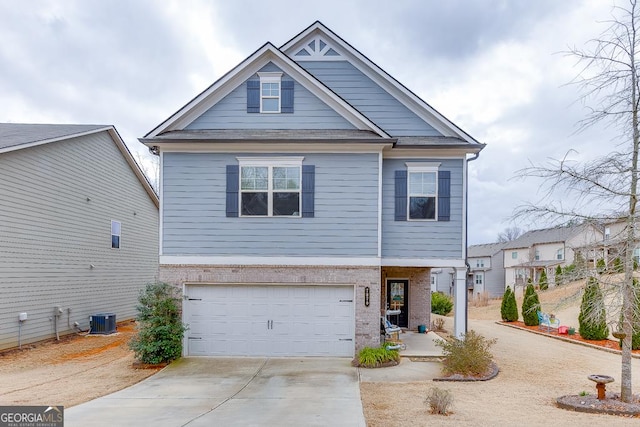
x: 224, y: 391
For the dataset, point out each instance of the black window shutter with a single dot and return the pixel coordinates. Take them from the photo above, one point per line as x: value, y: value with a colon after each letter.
x: 286, y: 93
x: 308, y: 190
x: 401, y: 195
x: 233, y: 172
x: 444, y: 195
x: 253, y: 96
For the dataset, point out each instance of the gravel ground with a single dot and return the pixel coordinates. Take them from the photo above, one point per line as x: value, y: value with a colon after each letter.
x: 534, y: 371
x: 76, y: 369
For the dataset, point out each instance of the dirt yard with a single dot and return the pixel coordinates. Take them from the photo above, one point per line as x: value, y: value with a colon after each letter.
x: 73, y: 370
x: 534, y: 371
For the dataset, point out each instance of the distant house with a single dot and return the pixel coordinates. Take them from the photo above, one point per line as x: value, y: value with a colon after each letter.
x: 486, y: 269
x: 538, y: 250
x: 78, y: 229
x: 304, y: 194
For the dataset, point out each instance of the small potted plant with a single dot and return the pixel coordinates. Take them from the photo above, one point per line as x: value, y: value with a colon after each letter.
x: 572, y: 330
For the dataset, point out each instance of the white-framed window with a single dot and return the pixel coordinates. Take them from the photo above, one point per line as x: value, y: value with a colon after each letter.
x: 479, y: 279
x: 480, y: 263
x: 537, y: 255
x: 270, y: 92
x: 270, y: 186
x: 607, y: 233
x: 116, y: 232
x: 560, y: 254
x: 514, y: 255
x: 422, y: 191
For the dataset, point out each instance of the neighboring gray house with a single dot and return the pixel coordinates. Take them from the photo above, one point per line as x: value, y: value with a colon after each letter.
x: 538, y: 250
x: 304, y: 193
x: 78, y: 229
x: 486, y: 272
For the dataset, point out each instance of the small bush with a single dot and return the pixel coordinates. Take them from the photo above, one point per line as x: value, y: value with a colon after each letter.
x: 592, y: 318
x: 441, y: 303
x: 558, y: 277
x: 370, y: 357
x: 469, y: 356
x: 160, y: 328
x: 530, y: 306
x: 543, y: 282
x: 601, y: 266
x: 509, y: 307
x: 439, y: 401
x: 480, y: 299
x: 437, y: 324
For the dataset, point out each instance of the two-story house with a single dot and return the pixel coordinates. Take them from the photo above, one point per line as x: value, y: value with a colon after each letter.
x: 303, y: 194
x: 537, y: 250
x: 486, y: 269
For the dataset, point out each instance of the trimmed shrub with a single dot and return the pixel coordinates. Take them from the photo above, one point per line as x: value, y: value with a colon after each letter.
x: 592, y: 319
x: 160, y: 328
x: 601, y: 266
x: 558, y: 277
x: 530, y: 306
x: 441, y: 303
x: 439, y: 401
x: 469, y: 356
x: 370, y: 357
x: 543, y: 282
x: 509, y: 307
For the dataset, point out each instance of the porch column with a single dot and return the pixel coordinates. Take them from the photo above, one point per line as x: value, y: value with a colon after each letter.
x: 460, y: 303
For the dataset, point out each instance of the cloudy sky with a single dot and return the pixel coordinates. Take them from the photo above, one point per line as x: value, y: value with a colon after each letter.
x: 493, y: 67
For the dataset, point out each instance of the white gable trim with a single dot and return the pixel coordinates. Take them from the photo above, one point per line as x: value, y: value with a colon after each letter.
x: 249, y: 67
x: 380, y: 77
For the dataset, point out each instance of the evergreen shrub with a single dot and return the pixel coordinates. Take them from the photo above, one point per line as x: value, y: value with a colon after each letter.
x: 509, y: 307
x: 530, y: 306
x: 592, y: 319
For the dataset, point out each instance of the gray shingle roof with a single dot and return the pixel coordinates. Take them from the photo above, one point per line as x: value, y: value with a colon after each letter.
x: 16, y: 134
x: 486, y: 249
x: 547, y: 235
x: 224, y: 135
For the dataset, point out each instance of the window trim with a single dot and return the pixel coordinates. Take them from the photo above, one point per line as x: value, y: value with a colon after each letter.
x: 270, y: 163
x: 514, y: 255
x: 271, y: 77
x: 119, y: 234
x: 477, y: 276
x: 422, y: 167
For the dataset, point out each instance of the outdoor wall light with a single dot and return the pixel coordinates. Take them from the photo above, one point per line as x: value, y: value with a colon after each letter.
x: 367, y: 294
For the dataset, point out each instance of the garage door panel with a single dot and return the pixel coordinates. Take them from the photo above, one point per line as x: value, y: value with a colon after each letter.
x: 270, y: 320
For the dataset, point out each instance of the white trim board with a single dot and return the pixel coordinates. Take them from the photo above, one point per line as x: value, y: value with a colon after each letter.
x: 309, y: 261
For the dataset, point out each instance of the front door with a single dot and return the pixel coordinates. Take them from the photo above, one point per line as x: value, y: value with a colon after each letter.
x: 398, y: 299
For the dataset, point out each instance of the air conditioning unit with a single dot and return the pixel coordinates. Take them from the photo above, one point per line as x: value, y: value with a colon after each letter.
x: 103, y: 323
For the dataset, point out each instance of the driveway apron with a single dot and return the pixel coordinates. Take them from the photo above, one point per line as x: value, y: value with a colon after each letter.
x: 233, y: 391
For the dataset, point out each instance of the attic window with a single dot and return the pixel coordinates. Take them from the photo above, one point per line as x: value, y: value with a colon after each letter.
x: 270, y: 92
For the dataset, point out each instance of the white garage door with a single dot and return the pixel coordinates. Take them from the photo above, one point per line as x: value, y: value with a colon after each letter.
x: 269, y: 320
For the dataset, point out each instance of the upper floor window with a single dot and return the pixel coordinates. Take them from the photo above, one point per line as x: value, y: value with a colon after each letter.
x: 537, y: 255
x: 514, y: 255
x: 560, y: 254
x: 270, y: 187
x: 270, y: 92
x: 116, y: 230
x: 422, y: 193
x: 607, y: 233
x: 480, y: 262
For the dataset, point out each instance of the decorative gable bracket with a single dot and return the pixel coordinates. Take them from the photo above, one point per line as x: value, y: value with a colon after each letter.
x: 318, y: 49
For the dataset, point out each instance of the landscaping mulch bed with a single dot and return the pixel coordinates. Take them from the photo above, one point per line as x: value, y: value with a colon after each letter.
x: 610, y: 405
x: 489, y: 375
x: 611, y: 345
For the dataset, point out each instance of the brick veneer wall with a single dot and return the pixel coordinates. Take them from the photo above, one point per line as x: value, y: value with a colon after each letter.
x: 367, y: 322
x: 419, y: 292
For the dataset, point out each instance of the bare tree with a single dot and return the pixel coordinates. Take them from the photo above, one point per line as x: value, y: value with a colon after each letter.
x: 509, y: 234
x: 609, y: 81
x: 150, y: 167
